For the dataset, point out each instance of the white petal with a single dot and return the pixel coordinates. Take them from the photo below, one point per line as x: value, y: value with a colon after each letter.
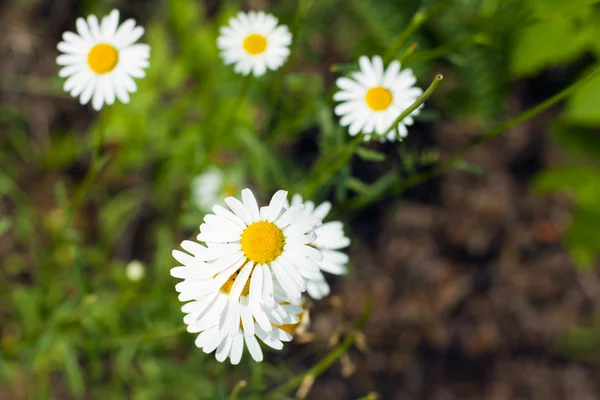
x: 250, y: 204
x: 237, y: 348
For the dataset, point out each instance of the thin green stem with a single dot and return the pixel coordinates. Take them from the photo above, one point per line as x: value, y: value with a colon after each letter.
x: 326, y: 362
x: 96, y: 165
x: 327, y: 167
x: 408, y: 53
x: 301, y: 11
x: 257, y: 378
x: 359, y: 202
x: 236, y: 390
x: 420, y: 100
x: 329, y: 164
x: 236, y: 103
x: 417, y: 20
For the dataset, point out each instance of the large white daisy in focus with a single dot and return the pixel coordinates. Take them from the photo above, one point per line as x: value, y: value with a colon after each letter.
x: 101, y: 59
x: 261, y: 254
x: 374, y: 97
x: 254, y: 43
x: 228, y: 322
x: 330, y: 239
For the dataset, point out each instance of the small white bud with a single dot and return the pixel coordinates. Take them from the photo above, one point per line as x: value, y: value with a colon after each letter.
x: 135, y: 271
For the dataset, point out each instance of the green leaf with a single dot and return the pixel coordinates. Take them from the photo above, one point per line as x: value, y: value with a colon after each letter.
x: 116, y: 213
x: 72, y: 369
x: 370, y: 155
x: 577, y: 140
x: 5, y: 224
x: 63, y: 152
x: 583, y: 182
x: 357, y: 185
x: 27, y: 305
x: 582, y: 106
x: 469, y: 167
x: 582, y: 238
x: 550, y: 9
x: 547, y: 43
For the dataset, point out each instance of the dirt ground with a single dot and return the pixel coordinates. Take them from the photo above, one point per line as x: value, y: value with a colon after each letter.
x: 471, y: 288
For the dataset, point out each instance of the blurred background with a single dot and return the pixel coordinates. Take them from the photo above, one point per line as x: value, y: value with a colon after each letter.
x: 483, y: 281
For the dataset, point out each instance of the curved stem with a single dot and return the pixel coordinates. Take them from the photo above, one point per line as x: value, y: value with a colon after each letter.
x: 236, y: 390
x: 302, y: 9
x: 359, y: 202
x: 326, y: 362
x: 420, y: 100
x: 95, y: 165
x: 417, y: 20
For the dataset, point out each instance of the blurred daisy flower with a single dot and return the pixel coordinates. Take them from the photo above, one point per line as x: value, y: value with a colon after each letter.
x: 330, y: 238
x: 211, y: 186
x: 374, y: 97
x: 254, y: 43
x: 101, y: 59
x: 135, y: 271
x: 228, y: 318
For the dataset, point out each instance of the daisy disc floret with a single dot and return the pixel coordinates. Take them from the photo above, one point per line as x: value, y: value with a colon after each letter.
x: 254, y: 42
x: 374, y: 97
x: 101, y: 59
x: 330, y: 239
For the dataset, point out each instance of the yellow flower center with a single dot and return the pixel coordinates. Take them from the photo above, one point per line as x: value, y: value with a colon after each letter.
x: 262, y: 242
x: 103, y: 58
x: 378, y: 98
x: 255, y: 43
x: 227, y: 286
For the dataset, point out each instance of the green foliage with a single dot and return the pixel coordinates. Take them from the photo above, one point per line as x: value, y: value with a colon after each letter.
x: 558, y: 33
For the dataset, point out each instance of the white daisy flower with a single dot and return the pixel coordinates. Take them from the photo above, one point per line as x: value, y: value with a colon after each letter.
x: 330, y: 238
x: 265, y: 245
x: 254, y: 43
x: 259, y: 253
x: 374, y: 97
x: 100, y: 60
x: 211, y: 186
x: 224, y: 320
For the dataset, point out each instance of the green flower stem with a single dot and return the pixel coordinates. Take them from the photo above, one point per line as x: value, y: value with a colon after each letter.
x: 408, y: 53
x: 96, y: 165
x: 236, y: 104
x: 417, y: 20
x: 362, y: 201
x: 236, y: 390
x: 326, y: 362
x: 420, y: 100
x: 329, y: 164
x: 301, y: 11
